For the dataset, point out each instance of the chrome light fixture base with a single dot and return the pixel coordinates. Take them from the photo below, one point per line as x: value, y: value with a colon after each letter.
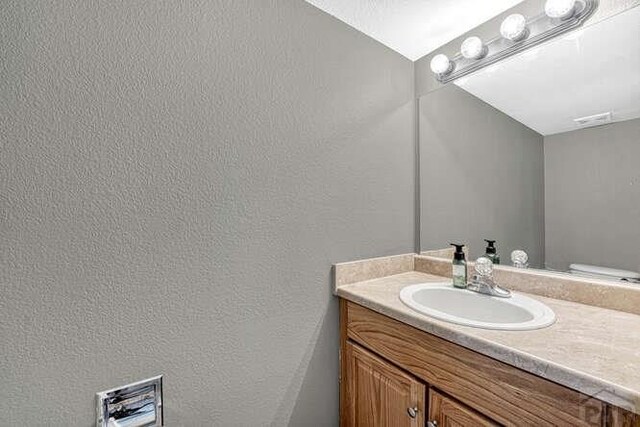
x: 540, y: 29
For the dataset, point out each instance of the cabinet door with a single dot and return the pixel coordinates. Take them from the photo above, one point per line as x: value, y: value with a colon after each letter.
x: 446, y: 412
x: 620, y: 418
x: 380, y: 395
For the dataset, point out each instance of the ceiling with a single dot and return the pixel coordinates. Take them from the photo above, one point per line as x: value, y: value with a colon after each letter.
x: 414, y: 28
x: 587, y: 72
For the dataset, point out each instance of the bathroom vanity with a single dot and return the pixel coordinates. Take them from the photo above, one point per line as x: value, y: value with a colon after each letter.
x: 537, y: 152
x: 402, y: 368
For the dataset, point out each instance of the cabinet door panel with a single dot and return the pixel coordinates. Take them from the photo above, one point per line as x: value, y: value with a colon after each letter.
x: 446, y: 412
x: 379, y: 394
x: 620, y: 418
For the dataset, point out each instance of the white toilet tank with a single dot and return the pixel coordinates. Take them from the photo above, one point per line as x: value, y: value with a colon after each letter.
x: 598, y: 272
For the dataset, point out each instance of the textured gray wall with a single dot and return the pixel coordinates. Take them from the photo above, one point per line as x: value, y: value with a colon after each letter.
x: 592, y: 191
x: 481, y: 176
x: 176, y: 179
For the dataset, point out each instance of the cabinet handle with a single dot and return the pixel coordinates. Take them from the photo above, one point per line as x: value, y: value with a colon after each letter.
x: 432, y: 424
x: 413, y: 412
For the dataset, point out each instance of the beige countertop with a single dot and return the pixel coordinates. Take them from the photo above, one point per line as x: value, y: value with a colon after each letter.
x: 589, y: 349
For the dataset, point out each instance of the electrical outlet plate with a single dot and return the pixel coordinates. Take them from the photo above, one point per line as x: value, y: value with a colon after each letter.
x: 133, y: 405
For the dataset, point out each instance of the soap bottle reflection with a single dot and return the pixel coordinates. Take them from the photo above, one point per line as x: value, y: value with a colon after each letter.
x: 491, y: 252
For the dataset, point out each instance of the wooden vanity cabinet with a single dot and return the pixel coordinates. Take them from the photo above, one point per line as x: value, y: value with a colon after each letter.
x: 392, y: 374
x: 380, y: 394
x: 447, y: 412
x: 617, y: 417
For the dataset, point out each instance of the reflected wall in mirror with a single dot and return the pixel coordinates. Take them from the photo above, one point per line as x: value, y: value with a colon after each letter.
x: 540, y: 152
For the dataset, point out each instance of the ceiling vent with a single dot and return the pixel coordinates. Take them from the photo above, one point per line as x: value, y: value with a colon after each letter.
x: 595, y: 120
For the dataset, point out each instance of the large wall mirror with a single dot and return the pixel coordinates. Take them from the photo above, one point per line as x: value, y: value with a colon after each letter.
x: 540, y: 152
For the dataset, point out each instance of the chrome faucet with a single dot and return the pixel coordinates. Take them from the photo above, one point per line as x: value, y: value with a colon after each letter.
x: 483, y: 283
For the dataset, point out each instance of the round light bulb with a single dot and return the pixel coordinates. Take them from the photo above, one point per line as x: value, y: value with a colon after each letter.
x: 560, y: 9
x: 514, y: 27
x: 440, y: 64
x: 473, y: 48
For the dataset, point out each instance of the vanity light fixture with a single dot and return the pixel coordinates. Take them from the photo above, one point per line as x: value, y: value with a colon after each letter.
x: 514, y: 28
x: 517, y: 33
x: 473, y: 48
x: 441, y: 65
x: 560, y: 9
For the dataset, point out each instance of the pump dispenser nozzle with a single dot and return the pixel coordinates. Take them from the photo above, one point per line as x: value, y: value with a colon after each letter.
x: 459, y: 253
x: 490, y: 248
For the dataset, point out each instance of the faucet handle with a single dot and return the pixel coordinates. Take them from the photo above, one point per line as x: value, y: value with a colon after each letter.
x: 484, y: 266
x: 483, y: 281
x: 519, y: 259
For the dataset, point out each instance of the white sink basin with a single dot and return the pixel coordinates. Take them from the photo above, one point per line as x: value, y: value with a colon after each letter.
x: 463, y: 307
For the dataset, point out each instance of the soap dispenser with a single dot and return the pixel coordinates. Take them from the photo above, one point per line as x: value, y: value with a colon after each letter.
x: 459, y: 266
x: 491, y: 252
